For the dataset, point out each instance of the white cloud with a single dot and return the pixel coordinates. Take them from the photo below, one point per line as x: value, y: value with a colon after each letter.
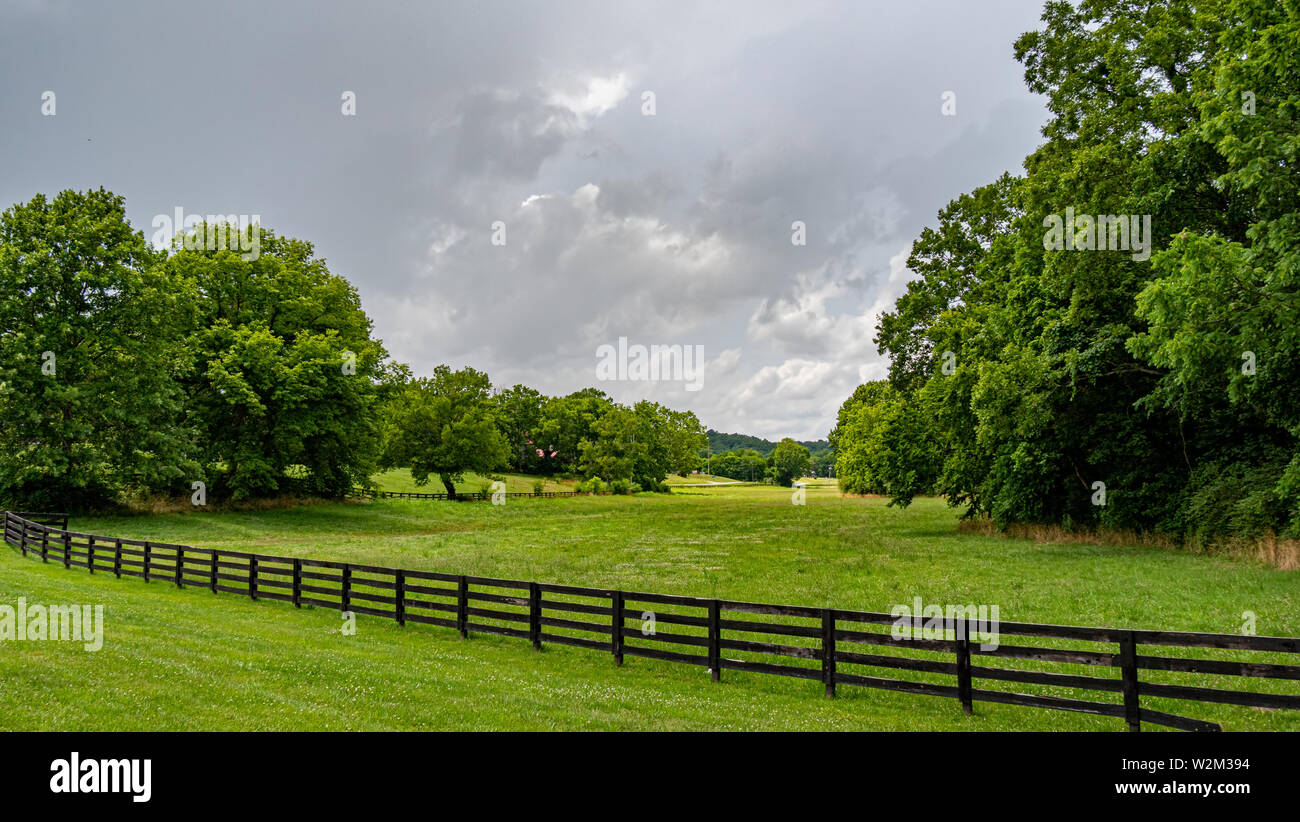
x: 594, y: 97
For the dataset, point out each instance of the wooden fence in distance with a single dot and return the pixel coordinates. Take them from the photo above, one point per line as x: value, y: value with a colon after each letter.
x: 473, y: 496
x: 829, y: 645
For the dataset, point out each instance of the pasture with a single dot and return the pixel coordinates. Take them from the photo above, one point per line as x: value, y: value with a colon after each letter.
x: 176, y: 659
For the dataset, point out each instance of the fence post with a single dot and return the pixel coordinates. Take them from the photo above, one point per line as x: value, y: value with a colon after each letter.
x: 828, y: 650
x: 462, y: 607
x: 67, y: 550
x: 345, y: 593
x: 399, y: 594
x: 212, y: 572
x: 616, y: 627
x: 715, y: 640
x: 90, y: 554
x: 535, y: 614
x: 1129, y: 670
x: 147, y: 553
x: 297, y: 583
x: 117, y: 558
x: 180, y: 564
x: 45, y: 545
x: 963, y: 667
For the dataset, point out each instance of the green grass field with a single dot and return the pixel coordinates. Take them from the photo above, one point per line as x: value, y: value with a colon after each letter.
x: 187, y: 659
x: 399, y: 479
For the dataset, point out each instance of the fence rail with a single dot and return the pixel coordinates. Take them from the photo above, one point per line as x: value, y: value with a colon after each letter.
x: 832, y: 646
x: 473, y: 496
x: 44, y: 518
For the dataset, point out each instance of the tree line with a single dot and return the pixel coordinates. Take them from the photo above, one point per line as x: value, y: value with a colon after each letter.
x: 127, y: 370
x: 785, y: 462
x: 1034, y: 381
x: 720, y: 442
x: 453, y: 422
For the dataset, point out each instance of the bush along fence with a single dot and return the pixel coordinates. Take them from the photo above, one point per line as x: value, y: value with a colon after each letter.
x: 828, y: 645
x: 473, y: 496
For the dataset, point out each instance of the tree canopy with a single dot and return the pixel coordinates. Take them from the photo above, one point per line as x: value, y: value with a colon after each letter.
x: 127, y: 370
x: 790, y: 461
x: 445, y: 425
x: 90, y: 349
x: 283, y: 372
x: 1024, y: 377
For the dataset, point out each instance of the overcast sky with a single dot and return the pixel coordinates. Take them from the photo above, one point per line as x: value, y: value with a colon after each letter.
x: 673, y: 228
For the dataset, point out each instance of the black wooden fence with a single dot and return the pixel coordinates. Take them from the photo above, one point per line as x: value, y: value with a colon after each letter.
x: 45, y: 518
x: 473, y: 496
x: 829, y: 645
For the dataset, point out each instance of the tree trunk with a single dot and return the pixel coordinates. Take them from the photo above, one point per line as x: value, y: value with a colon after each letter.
x: 451, y: 489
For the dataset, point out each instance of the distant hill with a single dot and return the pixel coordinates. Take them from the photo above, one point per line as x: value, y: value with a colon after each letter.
x: 719, y: 442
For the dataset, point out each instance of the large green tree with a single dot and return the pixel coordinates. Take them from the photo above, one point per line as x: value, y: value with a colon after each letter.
x: 619, y: 446
x: 1036, y: 374
x: 642, y: 443
x: 862, y: 434
x: 284, y: 379
x: 1224, y: 309
x: 445, y: 425
x: 566, y: 423
x: 790, y: 461
x: 519, y: 418
x: 739, y: 464
x: 90, y: 345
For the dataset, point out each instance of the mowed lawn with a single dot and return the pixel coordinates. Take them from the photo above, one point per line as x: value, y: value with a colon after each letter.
x: 177, y: 659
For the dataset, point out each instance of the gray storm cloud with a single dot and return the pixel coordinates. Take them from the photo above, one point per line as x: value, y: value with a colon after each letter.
x: 672, y: 229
